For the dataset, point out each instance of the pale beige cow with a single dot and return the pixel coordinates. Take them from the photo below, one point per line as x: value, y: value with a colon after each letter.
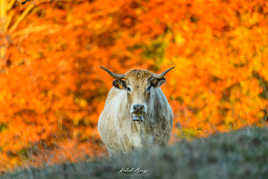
x: 136, y: 113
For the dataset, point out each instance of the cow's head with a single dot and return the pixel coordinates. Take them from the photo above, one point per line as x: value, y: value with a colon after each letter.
x: 140, y: 87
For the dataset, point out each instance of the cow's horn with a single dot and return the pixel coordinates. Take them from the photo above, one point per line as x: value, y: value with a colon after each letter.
x: 163, y: 73
x: 116, y: 76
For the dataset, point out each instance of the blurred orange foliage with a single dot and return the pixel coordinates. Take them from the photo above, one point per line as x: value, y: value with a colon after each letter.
x: 52, y: 90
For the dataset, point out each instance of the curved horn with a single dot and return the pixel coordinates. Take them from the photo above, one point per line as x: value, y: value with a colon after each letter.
x: 114, y: 75
x: 163, y: 73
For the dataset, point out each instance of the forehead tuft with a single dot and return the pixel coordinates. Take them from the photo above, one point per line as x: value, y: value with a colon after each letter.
x: 138, y: 74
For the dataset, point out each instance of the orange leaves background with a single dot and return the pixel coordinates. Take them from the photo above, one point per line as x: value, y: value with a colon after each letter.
x: 52, y: 90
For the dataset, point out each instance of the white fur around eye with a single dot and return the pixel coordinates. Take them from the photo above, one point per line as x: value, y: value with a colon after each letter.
x: 128, y: 89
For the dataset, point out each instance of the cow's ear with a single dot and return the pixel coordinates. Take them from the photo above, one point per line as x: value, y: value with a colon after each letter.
x: 120, y: 84
x: 155, y: 82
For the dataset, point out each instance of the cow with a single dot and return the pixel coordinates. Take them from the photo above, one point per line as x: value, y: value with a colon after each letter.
x: 136, y: 113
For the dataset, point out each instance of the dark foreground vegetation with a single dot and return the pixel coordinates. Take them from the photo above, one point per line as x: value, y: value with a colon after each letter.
x: 239, y: 154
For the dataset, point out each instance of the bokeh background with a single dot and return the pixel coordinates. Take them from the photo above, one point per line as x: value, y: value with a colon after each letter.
x: 52, y: 90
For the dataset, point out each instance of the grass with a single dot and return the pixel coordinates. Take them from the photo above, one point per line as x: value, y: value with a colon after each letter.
x: 238, y: 154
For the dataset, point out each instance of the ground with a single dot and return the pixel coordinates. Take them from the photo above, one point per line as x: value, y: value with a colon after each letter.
x: 238, y: 154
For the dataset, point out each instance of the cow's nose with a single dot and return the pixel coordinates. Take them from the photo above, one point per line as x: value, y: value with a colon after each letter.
x: 138, y: 108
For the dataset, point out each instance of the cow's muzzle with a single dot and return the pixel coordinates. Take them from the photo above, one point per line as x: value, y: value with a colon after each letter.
x: 138, y: 112
x: 137, y: 117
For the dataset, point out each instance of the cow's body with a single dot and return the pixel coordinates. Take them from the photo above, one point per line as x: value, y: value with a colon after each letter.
x: 116, y: 127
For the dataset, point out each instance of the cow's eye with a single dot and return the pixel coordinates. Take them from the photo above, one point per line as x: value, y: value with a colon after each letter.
x: 128, y: 89
x: 149, y: 89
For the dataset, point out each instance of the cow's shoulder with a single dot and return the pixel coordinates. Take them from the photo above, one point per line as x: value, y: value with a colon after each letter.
x: 114, y: 94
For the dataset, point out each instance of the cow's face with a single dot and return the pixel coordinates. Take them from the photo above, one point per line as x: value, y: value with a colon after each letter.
x: 140, y: 87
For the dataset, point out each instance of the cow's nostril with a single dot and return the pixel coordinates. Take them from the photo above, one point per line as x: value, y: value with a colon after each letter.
x: 138, y: 108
